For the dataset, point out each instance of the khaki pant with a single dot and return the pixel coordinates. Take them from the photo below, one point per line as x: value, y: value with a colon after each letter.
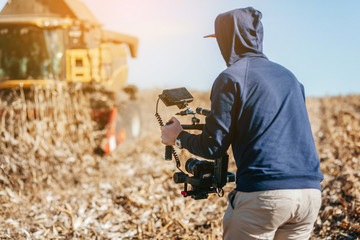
x: 275, y: 214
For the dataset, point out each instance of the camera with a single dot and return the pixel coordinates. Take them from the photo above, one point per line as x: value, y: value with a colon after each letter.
x: 204, y: 176
x: 207, y: 177
x: 200, y: 169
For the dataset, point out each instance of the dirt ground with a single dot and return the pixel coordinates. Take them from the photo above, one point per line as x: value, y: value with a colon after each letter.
x: 52, y: 185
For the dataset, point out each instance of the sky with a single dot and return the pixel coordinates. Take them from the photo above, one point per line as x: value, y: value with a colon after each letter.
x: 317, y: 40
x: 2, y: 4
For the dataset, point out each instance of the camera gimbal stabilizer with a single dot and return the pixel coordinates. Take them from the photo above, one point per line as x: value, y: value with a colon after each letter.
x: 207, y: 176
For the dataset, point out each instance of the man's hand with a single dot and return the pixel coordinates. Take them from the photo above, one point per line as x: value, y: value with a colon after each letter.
x: 170, y: 132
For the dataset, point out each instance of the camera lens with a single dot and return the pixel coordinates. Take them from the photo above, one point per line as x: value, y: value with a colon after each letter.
x: 179, y: 177
x: 190, y: 165
x: 197, y: 167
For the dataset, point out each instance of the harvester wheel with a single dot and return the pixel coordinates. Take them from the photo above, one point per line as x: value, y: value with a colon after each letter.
x: 129, y: 122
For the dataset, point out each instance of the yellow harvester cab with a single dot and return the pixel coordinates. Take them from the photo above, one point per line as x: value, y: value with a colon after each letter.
x: 42, y: 41
x: 47, y: 41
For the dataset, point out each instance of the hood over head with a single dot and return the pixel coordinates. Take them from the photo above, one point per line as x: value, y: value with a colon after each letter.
x: 239, y: 33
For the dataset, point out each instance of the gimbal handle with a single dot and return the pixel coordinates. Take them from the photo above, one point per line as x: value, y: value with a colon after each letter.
x: 192, y: 126
x: 168, y: 150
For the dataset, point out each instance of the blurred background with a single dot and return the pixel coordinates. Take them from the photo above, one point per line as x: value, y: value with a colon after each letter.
x: 316, y: 40
x: 80, y: 151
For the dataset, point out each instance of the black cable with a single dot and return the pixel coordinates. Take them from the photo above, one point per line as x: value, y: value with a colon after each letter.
x: 161, y: 123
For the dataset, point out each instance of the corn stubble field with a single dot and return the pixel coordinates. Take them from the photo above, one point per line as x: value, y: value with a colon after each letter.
x: 53, y: 186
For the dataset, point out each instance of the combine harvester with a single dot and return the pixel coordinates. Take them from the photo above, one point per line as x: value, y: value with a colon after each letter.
x: 47, y: 42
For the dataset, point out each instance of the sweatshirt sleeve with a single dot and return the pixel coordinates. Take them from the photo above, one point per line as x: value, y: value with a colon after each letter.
x: 218, y: 131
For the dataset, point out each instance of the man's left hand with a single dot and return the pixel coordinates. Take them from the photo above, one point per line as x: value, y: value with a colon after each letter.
x: 170, y: 132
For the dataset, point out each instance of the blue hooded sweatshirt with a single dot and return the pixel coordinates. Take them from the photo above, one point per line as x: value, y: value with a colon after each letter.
x: 257, y: 107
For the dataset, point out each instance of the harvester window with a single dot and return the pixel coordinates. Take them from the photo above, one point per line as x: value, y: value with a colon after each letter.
x: 79, y: 62
x: 29, y: 52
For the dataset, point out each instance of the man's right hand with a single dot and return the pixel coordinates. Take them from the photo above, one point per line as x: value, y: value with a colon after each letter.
x: 170, y: 132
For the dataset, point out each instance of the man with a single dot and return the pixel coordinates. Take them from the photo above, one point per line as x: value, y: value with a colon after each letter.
x: 258, y: 107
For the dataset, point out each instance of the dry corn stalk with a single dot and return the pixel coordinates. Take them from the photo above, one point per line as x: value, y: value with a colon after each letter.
x: 131, y: 194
